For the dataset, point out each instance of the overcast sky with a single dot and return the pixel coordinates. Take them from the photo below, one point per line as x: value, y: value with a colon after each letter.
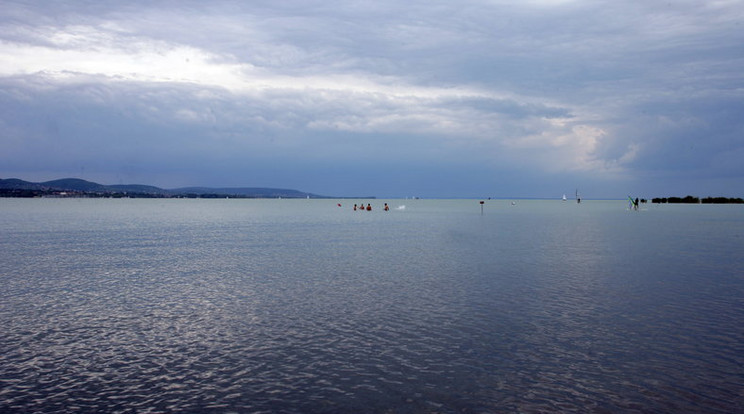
x: 529, y: 98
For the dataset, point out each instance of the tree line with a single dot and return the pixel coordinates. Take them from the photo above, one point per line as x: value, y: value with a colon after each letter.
x: 695, y: 200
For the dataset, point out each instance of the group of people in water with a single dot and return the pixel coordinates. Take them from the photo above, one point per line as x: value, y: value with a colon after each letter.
x: 369, y: 207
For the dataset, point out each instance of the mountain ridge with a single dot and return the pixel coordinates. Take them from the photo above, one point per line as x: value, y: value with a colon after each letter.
x: 14, y: 187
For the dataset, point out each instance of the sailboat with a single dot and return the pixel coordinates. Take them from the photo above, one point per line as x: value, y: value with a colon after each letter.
x: 564, y: 197
x: 578, y: 199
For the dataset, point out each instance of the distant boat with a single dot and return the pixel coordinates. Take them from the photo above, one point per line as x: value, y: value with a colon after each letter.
x: 578, y: 199
x: 564, y: 197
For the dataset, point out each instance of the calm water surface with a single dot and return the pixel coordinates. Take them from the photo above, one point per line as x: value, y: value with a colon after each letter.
x: 301, y: 306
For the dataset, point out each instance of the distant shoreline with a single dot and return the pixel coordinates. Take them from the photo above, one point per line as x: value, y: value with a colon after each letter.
x: 75, y: 187
x: 78, y: 188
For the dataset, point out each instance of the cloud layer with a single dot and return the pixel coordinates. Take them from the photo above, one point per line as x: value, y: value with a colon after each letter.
x: 466, y: 99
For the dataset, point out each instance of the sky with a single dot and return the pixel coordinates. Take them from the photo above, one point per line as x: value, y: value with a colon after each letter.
x: 440, y: 99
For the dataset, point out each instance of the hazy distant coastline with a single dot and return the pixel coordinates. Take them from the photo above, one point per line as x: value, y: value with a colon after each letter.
x: 75, y: 187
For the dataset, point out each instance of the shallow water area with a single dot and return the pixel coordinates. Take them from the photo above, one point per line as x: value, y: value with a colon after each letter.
x: 302, y: 306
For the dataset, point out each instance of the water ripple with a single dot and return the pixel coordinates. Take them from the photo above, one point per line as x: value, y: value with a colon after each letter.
x: 229, y: 309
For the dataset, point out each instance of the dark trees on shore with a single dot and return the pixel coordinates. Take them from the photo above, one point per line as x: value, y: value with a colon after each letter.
x: 694, y: 200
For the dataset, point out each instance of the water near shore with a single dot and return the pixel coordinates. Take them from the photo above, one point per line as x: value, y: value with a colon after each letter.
x: 301, y: 306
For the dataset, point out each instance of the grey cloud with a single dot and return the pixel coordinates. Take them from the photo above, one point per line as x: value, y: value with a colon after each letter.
x: 654, y: 83
x: 510, y: 108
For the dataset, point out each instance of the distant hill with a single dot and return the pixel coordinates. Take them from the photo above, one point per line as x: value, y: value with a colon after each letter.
x: 138, y: 188
x: 16, y: 184
x: 13, y: 187
x: 247, y: 192
x: 75, y: 184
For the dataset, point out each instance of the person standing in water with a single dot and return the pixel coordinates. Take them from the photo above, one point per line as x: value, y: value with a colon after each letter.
x: 386, y: 208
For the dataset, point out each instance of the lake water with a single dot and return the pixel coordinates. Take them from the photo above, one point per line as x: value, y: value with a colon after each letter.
x: 301, y: 306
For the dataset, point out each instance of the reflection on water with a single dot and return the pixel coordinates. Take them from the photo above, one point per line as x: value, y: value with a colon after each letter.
x: 301, y: 306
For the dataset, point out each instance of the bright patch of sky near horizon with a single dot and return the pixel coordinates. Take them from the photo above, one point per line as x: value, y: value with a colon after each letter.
x: 478, y: 98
